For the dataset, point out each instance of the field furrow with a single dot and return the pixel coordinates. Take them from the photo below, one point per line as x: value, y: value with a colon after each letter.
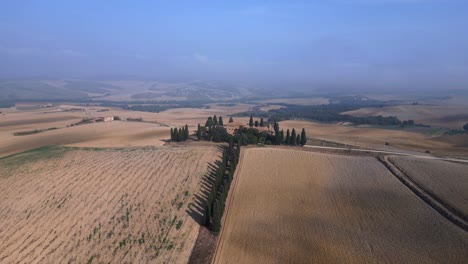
x: 75, y: 205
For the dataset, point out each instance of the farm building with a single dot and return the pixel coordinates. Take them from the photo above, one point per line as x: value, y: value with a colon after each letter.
x: 103, y: 119
x: 231, y: 128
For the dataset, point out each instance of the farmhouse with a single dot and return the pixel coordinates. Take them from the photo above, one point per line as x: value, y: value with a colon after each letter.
x: 232, y: 128
x: 103, y: 119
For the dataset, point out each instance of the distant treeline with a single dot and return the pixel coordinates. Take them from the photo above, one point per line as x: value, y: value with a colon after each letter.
x: 323, y: 113
x: 7, y: 104
x: 144, y: 106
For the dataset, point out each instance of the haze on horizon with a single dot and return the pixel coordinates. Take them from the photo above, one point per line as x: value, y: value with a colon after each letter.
x: 396, y: 44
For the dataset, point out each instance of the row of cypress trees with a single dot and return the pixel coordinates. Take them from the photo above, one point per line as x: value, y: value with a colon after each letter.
x: 216, y: 201
x: 180, y: 134
x: 214, y: 121
x: 256, y: 123
x: 291, y: 138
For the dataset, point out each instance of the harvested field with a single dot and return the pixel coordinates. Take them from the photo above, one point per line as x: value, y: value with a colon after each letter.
x: 375, y: 138
x: 442, y: 116
x: 68, y: 205
x: 446, y: 180
x: 293, y: 206
x: 108, y: 134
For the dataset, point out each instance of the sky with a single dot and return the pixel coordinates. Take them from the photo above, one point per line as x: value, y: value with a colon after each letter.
x: 397, y: 44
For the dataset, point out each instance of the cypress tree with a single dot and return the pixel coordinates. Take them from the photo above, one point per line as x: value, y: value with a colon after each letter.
x: 276, y: 127
x: 172, y: 134
x: 220, y: 122
x: 256, y: 123
x: 298, y: 140
x: 293, y: 137
x: 251, y: 122
x: 209, y: 122
x: 281, y: 136
x: 261, y: 122
x: 207, y: 215
x: 303, y: 137
x: 199, y: 132
x: 186, y: 134
x: 215, y: 120
x: 288, y: 138
x: 231, y: 120
x: 216, y: 226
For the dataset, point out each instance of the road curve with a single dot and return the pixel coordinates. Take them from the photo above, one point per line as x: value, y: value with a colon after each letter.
x: 388, y: 152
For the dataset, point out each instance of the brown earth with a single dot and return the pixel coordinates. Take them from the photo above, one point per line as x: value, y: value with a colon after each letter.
x: 67, y: 205
x: 292, y: 206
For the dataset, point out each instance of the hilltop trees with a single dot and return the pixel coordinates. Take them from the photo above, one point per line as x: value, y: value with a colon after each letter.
x: 209, y: 122
x: 303, y: 137
x: 199, y: 133
x: 250, y: 134
x: 179, y: 134
x: 292, y: 140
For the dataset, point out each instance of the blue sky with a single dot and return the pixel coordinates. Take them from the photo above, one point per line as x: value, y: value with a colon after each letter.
x: 349, y: 43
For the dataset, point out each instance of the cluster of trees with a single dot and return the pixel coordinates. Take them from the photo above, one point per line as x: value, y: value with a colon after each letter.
x: 290, y: 138
x: 214, y: 121
x: 221, y: 184
x: 214, y: 131
x: 180, y: 134
x: 256, y: 123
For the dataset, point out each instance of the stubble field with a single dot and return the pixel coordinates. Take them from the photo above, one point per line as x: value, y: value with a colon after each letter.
x: 293, y: 206
x: 447, y: 116
x: 75, y: 205
x: 446, y: 180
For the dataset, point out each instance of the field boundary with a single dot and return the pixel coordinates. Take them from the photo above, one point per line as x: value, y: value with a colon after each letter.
x: 228, y: 205
x: 442, y: 207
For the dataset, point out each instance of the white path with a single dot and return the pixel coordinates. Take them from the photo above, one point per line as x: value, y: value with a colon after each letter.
x: 389, y: 152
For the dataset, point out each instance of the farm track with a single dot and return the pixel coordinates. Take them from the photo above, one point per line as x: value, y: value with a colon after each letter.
x: 107, y: 206
x: 451, y: 213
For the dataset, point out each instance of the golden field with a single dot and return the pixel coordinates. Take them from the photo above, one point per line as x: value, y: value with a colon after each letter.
x: 293, y: 206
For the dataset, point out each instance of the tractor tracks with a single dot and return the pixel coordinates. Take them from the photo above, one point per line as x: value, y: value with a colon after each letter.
x: 452, y: 214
